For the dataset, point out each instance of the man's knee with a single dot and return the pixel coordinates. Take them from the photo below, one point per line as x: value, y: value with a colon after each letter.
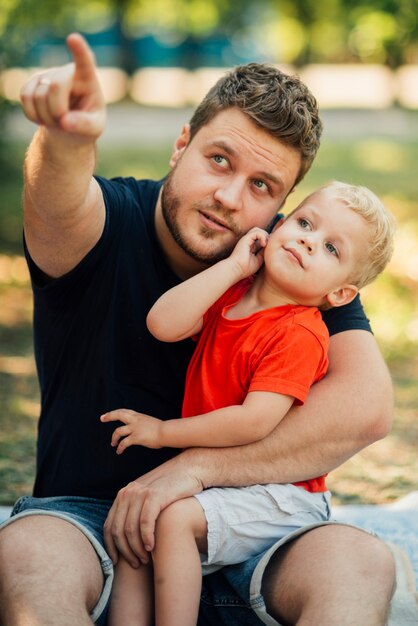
x: 344, y: 561
x: 44, y: 552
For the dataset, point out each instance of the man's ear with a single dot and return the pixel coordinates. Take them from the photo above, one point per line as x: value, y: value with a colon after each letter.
x: 179, y: 145
x: 342, y: 295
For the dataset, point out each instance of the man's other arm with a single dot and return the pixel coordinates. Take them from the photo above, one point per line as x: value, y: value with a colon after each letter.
x: 63, y: 205
x: 346, y: 411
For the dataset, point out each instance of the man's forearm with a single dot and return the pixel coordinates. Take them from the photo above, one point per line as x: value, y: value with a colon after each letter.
x: 63, y: 205
x: 58, y: 173
x: 346, y: 411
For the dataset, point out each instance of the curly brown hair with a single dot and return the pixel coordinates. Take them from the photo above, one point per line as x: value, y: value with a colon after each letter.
x: 277, y: 102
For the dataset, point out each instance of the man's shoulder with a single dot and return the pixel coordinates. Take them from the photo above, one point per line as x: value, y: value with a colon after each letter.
x: 125, y: 186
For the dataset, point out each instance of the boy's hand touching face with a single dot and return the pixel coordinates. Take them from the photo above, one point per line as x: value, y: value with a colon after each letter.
x: 138, y: 430
x: 248, y: 254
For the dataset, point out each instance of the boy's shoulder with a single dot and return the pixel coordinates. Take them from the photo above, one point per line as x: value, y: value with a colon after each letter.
x: 310, y: 318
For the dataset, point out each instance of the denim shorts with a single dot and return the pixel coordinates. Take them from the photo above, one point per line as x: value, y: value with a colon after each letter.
x: 88, y: 515
x: 230, y: 596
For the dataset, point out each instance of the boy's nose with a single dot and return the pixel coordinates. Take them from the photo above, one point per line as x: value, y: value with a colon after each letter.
x: 307, y: 243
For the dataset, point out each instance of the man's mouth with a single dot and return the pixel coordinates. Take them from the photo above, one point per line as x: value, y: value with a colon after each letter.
x: 213, y: 222
x: 294, y: 255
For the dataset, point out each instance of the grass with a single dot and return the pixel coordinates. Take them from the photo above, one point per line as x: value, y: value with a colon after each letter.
x: 379, y: 474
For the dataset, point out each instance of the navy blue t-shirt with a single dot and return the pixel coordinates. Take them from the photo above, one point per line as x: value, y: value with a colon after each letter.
x: 94, y: 353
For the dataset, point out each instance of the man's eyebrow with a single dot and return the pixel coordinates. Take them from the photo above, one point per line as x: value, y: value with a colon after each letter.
x: 222, y: 145
x: 218, y: 143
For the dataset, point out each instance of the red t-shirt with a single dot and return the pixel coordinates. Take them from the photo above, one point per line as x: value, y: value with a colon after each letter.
x: 282, y: 350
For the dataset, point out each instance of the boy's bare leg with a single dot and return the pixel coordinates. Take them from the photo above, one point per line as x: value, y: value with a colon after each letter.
x: 132, y: 602
x: 180, y: 535
x: 331, y: 575
x: 49, y: 573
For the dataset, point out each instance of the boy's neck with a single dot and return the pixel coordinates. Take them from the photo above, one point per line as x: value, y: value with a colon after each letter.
x: 261, y: 296
x: 269, y: 295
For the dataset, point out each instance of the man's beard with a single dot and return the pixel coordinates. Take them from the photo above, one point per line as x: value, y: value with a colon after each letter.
x: 170, y: 203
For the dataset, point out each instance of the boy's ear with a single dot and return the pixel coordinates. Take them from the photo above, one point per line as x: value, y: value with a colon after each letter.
x: 342, y: 295
x: 179, y: 145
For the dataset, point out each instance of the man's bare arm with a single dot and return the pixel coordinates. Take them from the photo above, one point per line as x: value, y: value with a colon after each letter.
x: 63, y: 205
x: 346, y: 411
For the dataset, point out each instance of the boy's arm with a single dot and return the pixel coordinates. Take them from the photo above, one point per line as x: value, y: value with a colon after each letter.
x: 179, y: 312
x: 350, y: 408
x: 63, y: 205
x: 235, y: 425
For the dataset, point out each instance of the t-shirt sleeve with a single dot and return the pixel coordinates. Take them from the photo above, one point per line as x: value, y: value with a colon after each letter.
x: 348, y: 317
x: 299, y: 360
x: 116, y: 195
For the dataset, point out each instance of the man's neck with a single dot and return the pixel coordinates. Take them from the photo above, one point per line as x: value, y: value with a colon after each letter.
x: 180, y: 262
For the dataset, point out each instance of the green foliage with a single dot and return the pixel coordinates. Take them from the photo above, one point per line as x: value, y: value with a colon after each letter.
x: 299, y: 32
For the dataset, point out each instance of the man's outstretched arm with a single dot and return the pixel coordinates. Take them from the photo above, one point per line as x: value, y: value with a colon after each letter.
x: 63, y: 205
x: 346, y: 411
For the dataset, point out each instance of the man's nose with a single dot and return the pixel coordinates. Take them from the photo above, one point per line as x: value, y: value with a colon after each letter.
x: 230, y: 194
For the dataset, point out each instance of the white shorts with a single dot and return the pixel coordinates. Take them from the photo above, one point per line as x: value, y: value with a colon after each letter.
x: 243, y: 522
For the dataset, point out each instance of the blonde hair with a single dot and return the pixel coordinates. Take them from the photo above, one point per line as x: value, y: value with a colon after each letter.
x: 381, y: 225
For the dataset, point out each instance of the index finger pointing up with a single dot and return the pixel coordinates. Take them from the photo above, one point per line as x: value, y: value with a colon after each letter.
x: 84, y: 60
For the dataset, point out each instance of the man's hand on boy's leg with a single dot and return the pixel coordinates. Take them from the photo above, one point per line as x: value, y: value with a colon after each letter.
x: 130, y: 526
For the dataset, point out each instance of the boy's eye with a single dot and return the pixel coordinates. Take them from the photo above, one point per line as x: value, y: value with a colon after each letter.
x: 331, y: 248
x: 304, y: 223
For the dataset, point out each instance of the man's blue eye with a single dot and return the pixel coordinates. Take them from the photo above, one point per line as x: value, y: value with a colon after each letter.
x: 260, y: 184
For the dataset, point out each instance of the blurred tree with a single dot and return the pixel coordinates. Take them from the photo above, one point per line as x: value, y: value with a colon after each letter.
x: 294, y: 31
x: 374, y: 31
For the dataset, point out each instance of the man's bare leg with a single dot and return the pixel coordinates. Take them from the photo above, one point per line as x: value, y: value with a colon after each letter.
x: 50, y: 574
x: 333, y: 575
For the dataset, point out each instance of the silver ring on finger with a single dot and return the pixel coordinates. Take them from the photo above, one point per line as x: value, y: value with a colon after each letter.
x: 45, y: 81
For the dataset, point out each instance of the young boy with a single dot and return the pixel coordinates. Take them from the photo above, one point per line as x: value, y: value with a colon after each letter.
x: 262, y: 344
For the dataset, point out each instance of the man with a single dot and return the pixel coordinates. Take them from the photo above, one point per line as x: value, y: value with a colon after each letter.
x: 100, y: 253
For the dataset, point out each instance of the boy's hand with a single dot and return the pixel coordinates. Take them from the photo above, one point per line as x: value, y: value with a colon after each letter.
x: 68, y: 98
x: 139, y: 429
x: 248, y: 254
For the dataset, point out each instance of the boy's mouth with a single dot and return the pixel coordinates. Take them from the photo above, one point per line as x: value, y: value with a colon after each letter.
x: 294, y: 255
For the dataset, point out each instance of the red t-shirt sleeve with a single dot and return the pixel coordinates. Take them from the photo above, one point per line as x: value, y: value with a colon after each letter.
x: 298, y: 360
